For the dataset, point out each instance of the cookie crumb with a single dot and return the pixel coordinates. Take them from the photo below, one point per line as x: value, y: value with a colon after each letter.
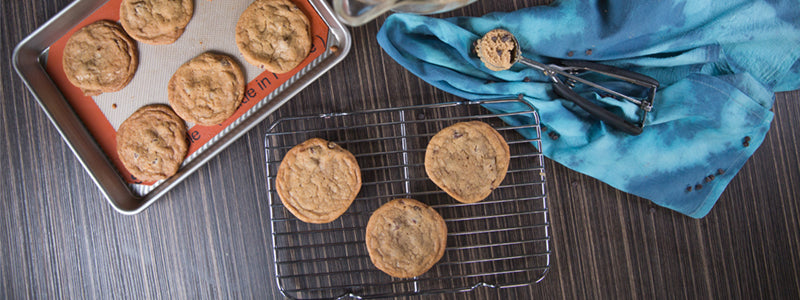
x: 114, y: 105
x: 689, y: 188
x: 588, y: 51
x: 720, y: 171
x: 334, y: 49
x: 570, y: 53
x: 526, y: 79
x: 553, y: 135
x: 698, y: 187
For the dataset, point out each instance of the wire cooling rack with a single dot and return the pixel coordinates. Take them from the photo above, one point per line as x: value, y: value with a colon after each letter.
x: 502, y: 241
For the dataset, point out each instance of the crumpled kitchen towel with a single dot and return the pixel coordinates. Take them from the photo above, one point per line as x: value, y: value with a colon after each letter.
x: 718, y: 62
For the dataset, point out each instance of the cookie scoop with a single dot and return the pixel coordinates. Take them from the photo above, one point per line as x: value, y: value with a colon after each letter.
x: 499, y: 50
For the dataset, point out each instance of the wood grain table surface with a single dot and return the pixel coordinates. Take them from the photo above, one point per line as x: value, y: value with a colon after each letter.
x: 208, y: 237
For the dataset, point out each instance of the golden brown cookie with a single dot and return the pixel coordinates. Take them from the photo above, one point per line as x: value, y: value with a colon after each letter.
x: 318, y: 180
x: 468, y: 160
x: 100, y: 58
x: 151, y: 143
x: 274, y: 35
x: 496, y: 49
x: 155, y: 22
x: 405, y: 238
x: 207, y: 90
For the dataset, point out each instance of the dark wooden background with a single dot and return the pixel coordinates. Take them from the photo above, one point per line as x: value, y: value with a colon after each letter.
x: 208, y: 237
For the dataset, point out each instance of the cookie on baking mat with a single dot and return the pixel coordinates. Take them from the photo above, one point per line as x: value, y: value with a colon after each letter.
x: 274, y: 35
x: 151, y: 143
x: 405, y: 238
x: 155, y: 22
x: 207, y: 89
x: 318, y: 180
x: 100, y: 58
x: 468, y: 160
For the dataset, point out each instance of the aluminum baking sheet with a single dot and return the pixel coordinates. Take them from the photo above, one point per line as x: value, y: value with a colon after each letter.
x: 88, y: 124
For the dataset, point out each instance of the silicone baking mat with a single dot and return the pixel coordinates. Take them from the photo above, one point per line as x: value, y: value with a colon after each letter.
x: 211, y: 28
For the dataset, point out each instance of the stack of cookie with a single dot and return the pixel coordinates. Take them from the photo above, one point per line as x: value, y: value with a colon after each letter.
x: 102, y: 57
x: 318, y: 180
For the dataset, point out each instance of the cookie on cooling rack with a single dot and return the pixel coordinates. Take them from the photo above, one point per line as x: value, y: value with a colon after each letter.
x: 100, y: 58
x: 274, y: 35
x: 468, y: 160
x: 318, y: 180
x: 207, y: 90
x: 405, y: 238
x: 155, y: 22
x: 151, y: 143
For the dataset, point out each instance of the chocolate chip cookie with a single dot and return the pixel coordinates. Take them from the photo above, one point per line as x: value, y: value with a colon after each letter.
x: 155, y: 22
x: 496, y: 49
x: 100, y: 58
x: 468, y: 160
x: 318, y: 180
x: 151, y: 143
x: 207, y: 90
x: 405, y: 238
x: 274, y: 35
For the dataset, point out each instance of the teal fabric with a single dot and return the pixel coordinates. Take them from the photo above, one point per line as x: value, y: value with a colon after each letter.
x: 718, y: 62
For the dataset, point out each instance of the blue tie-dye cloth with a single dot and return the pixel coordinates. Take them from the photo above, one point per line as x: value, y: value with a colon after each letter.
x: 718, y: 62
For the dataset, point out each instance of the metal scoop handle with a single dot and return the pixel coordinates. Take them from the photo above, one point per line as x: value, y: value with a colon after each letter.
x: 564, y: 90
x: 595, y: 110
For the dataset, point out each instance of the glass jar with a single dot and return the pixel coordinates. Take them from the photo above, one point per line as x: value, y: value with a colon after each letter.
x: 358, y: 12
